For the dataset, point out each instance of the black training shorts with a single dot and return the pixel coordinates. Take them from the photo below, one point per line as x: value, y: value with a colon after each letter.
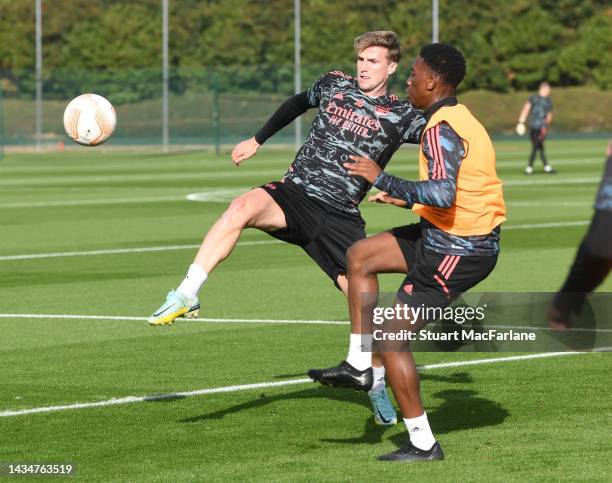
x: 435, y: 279
x: 323, y: 232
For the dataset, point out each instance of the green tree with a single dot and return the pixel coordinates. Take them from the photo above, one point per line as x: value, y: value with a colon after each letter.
x: 115, y: 45
x: 526, y: 47
x: 590, y: 57
x: 123, y: 35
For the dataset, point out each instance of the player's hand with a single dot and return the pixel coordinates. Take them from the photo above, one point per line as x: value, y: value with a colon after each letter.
x: 609, y: 149
x: 364, y: 167
x: 543, y: 132
x: 244, y: 150
x: 383, y: 197
x: 520, y: 128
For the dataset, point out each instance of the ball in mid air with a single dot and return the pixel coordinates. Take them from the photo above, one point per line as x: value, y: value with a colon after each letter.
x: 89, y: 119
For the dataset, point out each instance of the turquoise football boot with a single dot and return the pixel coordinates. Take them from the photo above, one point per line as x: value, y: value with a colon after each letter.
x: 176, y: 305
x: 384, y: 412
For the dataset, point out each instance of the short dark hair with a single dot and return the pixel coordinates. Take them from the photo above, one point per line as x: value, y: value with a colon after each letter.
x: 445, y: 60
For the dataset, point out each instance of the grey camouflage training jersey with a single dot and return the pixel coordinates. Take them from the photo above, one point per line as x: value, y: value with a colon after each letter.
x: 540, y: 107
x: 349, y: 123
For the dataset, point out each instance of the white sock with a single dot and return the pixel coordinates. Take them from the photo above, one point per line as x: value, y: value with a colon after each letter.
x: 196, y: 276
x: 357, y: 356
x: 420, y: 432
x: 379, y: 379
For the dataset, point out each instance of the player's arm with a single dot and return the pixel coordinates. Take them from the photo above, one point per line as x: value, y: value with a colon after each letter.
x: 520, y: 127
x: 289, y: 110
x: 415, y: 123
x: 443, y: 149
x: 544, y: 128
x: 524, y: 113
x: 547, y: 121
x: 549, y: 118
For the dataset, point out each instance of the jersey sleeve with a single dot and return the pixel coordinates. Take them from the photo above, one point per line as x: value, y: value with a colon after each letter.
x: 414, y: 123
x: 444, y: 151
x: 289, y: 110
x: 321, y: 87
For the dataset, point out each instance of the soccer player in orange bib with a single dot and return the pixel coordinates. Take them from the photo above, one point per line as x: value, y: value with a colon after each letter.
x: 455, y: 246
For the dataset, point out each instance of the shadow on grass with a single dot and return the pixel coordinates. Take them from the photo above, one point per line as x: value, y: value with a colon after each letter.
x: 371, y: 433
x: 287, y: 376
x: 163, y: 398
x: 461, y: 409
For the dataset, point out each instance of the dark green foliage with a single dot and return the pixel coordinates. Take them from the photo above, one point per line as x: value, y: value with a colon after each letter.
x: 590, y: 58
x: 114, y: 46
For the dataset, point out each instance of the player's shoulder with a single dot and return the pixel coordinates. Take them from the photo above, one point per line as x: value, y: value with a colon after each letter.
x: 396, y: 103
x: 401, y: 106
x: 337, y: 77
x: 446, y: 131
x: 339, y: 74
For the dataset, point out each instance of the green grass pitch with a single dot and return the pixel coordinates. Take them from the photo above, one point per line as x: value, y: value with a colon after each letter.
x: 531, y: 420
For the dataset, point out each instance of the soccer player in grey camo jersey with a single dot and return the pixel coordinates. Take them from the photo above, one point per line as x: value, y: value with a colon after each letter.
x: 539, y: 109
x: 315, y: 204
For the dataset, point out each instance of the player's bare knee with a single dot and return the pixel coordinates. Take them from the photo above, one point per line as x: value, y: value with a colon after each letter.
x: 357, y: 257
x: 237, y: 213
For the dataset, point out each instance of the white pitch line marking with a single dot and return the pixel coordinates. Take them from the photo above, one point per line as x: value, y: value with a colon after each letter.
x: 122, y: 179
x: 552, y: 204
x: 211, y: 320
x: 247, y: 387
x: 551, y: 182
x: 121, y: 250
x: 249, y: 321
x: 559, y: 224
x: 101, y: 201
x: 216, y: 195
x: 246, y: 243
x: 223, y: 196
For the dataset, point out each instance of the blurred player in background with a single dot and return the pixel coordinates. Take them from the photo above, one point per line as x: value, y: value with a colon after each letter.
x: 593, y: 260
x: 539, y: 109
x: 315, y: 205
x: 455, y: 246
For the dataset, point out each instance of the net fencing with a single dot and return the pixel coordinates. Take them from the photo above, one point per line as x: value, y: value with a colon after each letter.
x: 208, y: 107
x: 216, y: 107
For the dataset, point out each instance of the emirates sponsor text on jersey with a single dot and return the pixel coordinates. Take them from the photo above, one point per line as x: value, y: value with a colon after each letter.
x: 352, y: 121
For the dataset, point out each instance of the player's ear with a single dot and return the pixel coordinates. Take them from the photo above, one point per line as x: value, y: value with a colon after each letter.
x: 392, y: 68
x: 432, y: 81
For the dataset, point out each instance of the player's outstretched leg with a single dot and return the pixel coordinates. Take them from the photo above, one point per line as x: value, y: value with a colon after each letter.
x: 359, y: 371
x: 255, y: 209
x: 366, y: 258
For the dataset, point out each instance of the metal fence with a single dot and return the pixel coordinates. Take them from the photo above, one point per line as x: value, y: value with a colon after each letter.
x: 215, y: 107
x: 207, y: 106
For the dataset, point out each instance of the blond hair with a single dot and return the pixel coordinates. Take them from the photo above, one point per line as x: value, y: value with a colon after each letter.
x: 380, y: 38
